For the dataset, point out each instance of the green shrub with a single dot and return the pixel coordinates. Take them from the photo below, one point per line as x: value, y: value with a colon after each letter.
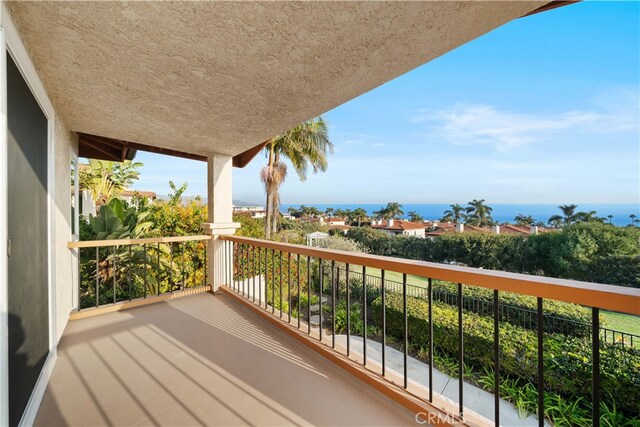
x: 560, y: 317
x: 567, y: 360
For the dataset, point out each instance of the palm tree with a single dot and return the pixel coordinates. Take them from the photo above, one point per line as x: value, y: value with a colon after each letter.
x: 568, y: 212
x: 329, y: 212
x: 394, y: 210
x: 591, y: 216
x: 359, y: 214
x: 306, y: 145
x: 555, y: 221
x: 524, y: 220
x: 478, y: 213
x: 633, y: 218
x: 610, y: 217
x: 415, y: 217
x: 455, y: 213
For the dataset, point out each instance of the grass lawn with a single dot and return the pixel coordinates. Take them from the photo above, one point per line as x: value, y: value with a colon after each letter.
x: 622, y: 322
x: 394, y: 276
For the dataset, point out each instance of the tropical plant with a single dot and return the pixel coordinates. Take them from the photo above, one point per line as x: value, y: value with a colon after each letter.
x: 306, y: 145
x: 633, y: 219
x: 116, y: 221
x: 103, y: 179
x: 524, y: 220
x: 456, y: 213
x: 359, y: 214
x: 478, y: 213
x: 415, y: 217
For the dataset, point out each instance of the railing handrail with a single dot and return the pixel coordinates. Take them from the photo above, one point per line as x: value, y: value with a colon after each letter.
x: 124, y: 242
x: 609, y: 297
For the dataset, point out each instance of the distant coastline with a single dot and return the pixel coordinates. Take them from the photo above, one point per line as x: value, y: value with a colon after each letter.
x: 501, y: 212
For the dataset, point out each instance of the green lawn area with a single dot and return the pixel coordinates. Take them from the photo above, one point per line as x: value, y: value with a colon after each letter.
x: 622, y: 322
x: 394, y: 276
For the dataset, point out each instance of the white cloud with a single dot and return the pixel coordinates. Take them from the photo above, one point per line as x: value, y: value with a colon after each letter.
x: 505, y: 130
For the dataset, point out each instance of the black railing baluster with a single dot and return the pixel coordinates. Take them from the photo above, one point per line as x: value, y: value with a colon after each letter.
x: 97, y: 276
x: 346, y: 278
x: 158, y: 273
x: 184, y: 280
x: 338, y: 283
x: 129, y: 273
x: 364, y: 315
x: 171, y: 267
x: 460, y: 355
x: 245, y: 273
x: 144, y: 250
x: 298, y: 277
x: 333, y: 304
x: 595, y: 358
x: 273, y: 281
x: 113, y: 252
x: 266, y: 274
x: 289, y: 287
x: 206, y: 270
x: 496, y: 357
x: 384, y: 322
x: 540, y: 320
x: 280, y: 274
x: 430, y: 299
x: 259, y: 276
x: 321, y: 273
x: 308, y: 295
x: 406, y: 328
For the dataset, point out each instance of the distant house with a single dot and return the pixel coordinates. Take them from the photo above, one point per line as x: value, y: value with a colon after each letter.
x: 401, y: 227
x: 88, y: 205
x: 253, y: 211
x: 128, y: 195
x: 509, y: 229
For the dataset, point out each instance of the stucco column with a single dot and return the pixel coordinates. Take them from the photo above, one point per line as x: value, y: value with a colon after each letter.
x: 220, y: 216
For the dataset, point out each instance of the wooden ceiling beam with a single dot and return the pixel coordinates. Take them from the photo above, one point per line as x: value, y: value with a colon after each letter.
x: 103, y: 148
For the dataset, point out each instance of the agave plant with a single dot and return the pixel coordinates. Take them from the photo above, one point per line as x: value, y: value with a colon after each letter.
x: 129, y: 270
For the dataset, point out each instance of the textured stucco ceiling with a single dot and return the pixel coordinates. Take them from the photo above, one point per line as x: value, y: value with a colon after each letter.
x: 222, y: 77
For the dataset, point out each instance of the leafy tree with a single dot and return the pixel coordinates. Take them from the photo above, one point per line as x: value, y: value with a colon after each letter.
x: 359, y: 214
x: 524, y: 220
x: 478, y: 213
x: 294, y: 212
x: 633, y: 219
x: 415, y: 217
x: 456, y: 213
x: 306, y: 145
x: 104, y: 179
x: 394, y: 210
x: 610, y: 218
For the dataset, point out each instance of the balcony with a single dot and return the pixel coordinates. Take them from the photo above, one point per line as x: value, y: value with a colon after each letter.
x: 235, y: 357
x: 200, y: 360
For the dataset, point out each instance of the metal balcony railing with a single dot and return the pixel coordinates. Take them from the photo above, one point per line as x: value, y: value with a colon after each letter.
x: 115, y: 271
x: 302, y: 284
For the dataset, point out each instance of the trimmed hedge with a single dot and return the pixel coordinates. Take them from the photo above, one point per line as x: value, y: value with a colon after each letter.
x: 560, y: 317
x: 567, y: 360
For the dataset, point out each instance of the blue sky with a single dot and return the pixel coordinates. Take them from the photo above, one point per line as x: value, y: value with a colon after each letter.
x: 545, y: 109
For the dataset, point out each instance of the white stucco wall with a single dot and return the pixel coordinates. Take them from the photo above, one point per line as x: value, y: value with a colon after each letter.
x: 66, y: 264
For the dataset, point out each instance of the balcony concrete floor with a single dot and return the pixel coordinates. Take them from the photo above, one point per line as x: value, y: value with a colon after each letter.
x: 200, y: 360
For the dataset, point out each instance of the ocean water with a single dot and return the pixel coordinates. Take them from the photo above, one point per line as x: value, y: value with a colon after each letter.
x: 501, y: 212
